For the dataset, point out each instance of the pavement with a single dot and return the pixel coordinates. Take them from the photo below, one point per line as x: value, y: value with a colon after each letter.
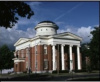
x: 51, y: 77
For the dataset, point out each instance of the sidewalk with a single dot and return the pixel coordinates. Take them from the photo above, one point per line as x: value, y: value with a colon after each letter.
x: 48, y: 77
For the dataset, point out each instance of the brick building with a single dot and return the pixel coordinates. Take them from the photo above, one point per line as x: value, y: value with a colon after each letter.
x: 48, y: 50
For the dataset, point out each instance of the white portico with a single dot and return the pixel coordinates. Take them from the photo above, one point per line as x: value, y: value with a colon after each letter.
x: 63, y: 42
x: 46, y: 42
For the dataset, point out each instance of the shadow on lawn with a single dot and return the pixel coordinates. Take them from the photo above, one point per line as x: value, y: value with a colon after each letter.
x: 32, y: 77
x: 86, y: 79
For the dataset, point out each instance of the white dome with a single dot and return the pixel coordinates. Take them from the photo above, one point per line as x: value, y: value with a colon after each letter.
x: 46, y: 28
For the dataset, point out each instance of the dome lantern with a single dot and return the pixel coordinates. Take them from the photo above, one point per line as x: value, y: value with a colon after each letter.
x: 46, y: 28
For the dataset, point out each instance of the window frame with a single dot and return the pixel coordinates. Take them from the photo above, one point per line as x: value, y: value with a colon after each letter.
x: 45, y: 64
x: 22, y: 53
x: 45, y: 49
x: 27, y: 52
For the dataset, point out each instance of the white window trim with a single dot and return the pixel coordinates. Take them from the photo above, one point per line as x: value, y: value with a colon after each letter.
x: 26, y: 64
x: 45, y: 49
x: 45, y: 60
x: 36, y: 64
x: 26, y: 52
x: 22, y: 53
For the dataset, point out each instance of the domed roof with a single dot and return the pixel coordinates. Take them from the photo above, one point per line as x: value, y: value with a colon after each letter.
x: 47, y: 24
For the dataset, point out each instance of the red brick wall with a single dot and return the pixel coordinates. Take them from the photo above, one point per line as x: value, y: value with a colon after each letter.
x: 40, y: 56
x: 66, y: 61
x: 41, y: 53
x: 49, y: 51
x: 73, y: 57
x: 58, y: 60
x: 18, y: 68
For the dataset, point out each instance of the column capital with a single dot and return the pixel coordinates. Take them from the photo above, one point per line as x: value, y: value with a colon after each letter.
x: 71, y: 45
x: 53, y: 44
x: 62, y: 44
x: 78, y: 46
x: 49, y: 44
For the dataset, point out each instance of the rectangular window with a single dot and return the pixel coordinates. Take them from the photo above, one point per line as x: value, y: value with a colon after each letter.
x: 22, y: 53
x: 26, y: 65
x: 36, y: 65
x: 36, y: 49
x: 27, y: 52
x: 45, y: 49
x: 45, y: 64
x: 18, y: 54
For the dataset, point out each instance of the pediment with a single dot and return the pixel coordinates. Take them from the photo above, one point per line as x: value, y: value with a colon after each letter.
x: 20, y: 41
x: 68, y: 35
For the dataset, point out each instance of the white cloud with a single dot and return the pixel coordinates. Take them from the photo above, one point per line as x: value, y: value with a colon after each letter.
x: 83, y: 32
x: 10, y: 36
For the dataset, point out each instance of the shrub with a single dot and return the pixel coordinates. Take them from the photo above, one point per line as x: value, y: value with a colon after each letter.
x: 24, y: 71
x: 61, y: 71
x: 77, y: 71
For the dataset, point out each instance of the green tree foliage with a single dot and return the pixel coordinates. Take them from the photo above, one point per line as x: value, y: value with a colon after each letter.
x: 10, y: 10
x: 85, y: 53
x: 94, y: 48
x: 6, y: 56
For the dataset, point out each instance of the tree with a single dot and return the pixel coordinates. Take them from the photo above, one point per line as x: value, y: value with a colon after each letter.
x: 6, y: 56
x: 85, y: 54
x: 94, y: 48
x: 10, y: 10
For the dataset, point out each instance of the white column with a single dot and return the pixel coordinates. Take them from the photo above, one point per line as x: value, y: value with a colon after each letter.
x: 78, y: 58
x: 62, y: 54
x: 54, y: 61
x: 71, y: 60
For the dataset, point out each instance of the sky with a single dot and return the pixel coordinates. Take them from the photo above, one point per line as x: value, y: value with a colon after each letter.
x: 79, y: 18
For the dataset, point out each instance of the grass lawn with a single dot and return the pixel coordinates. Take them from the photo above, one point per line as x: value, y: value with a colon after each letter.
x: 33, y: 76
x: 86, y: 79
